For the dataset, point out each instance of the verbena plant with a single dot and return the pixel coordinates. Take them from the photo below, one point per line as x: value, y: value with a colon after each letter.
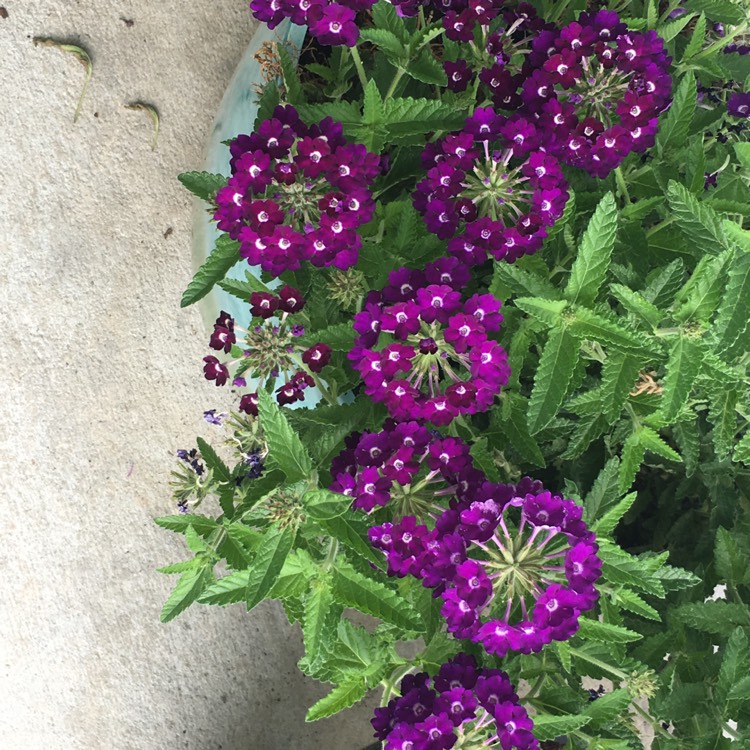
x: 500, y: 251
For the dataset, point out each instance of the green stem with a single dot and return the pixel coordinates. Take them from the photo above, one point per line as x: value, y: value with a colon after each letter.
x: 658, y: 227
x: 655, y: 723
x: 392, y: 88
x: 390, y: 684
x: 333, y: 550
x: 599, y: 663
x: 721, y: 43
x: 358, y: 65
x: 620, y: 179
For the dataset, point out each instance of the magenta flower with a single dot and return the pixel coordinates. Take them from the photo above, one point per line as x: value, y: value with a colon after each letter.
x: 297, y: 193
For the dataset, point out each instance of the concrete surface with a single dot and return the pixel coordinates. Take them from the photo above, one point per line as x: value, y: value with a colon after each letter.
x: 101, y: 382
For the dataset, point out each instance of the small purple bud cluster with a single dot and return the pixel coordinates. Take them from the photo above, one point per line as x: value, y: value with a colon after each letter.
x: 332, y: 24
x: 404, y: 465
x: 191, y: 458
x: 597, y: 91
x: 268, y: 350
x: 462, y: 706
x: 491, y: 189
x: 297, y: 193
x: 441, y: 362
x: 485, y: 567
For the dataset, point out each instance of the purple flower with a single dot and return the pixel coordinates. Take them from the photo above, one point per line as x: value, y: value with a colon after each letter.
x: 334, y: 25
x: 478, y: 705
x: 738, y: 105
x: 211, y: 417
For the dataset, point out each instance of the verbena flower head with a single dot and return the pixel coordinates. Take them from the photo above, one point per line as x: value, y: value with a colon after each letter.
x: 405, y: 466
x: 297, y: 193
x: 490, y: 189
x: 515, y: 568
x: 332, y: 24
x: 267, y: 351
x: 598, y: 91
x: 425, y: 352
x: 462, y: 706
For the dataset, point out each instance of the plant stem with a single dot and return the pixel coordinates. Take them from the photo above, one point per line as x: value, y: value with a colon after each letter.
x: 333, y: 550
x: 658, y: 227
x: 392, y: 88
x: 620, y: 179
x: 358, y: 65
x: 721, y: 43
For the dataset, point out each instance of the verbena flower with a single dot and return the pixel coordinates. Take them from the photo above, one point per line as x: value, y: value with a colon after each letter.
x: 598, y: 91
x: 738, y: 105
x: 490, y: 189
x: 268, y: 350
x: 405, y: 466
x: 514, y: 566
x: 462, y: 706
x: 297, y: 193
x: 426, y: 352
x: 330, y: 23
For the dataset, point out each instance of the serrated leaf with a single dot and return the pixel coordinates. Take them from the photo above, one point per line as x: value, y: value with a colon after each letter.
x: 606, y: 524
x: 701, y: 295
x: 342, y: 696
x: 548, y: 311
x: 734, y: 665
x: 372, y: 131
x: 181, y: 567
x: 636, y: 304
x: 209, y: 455
x: 683, y: 366
x: 339, y: 337
x: 606, y: 632
x: 733, y: 317
x: 268, y: 562
x: 385, y: 17
x: 687, y: 437
x: 608, y: 707
x: 483, y: 459
x: 632, y: 458
x: 698, y: 221
x: 345, y: 112
x: 354, y: 590
x: 663, y: 285
x: 594, y: 254
x: 267, y: 103
x: 698, y: 38
x: 188, y: 589
x: 619, y: 375
x: 675, y: 124
x: 406, y: 116
x: 740, y: 691
x: 620, y: 567
x: 290, y: 76
x: 389, y: 44
x: 180, y: 523
x: 230, y: 589
x: 730, y: 558
x: 627, y: 599
x: 715, y: 617
x: 523, y: 282
x: 723, y: 417
x: 652, y: 441
x: 224, y: 256
x: 283, y: 442
x: 243, y: 289
x: 742, y: 451
x: 723, y: 11
x: 548, y: 727
x: 317, y: 606
x: 676, y: 579
x: 203, y: 184
x: 588, y: 324
x: 604, y: 491
x: 351, y: 530
x: 322, y: 505
x: 671, y: 29
x: 588, y: 429
x: 553, y: 378
x: 515, y: 427
x: 427, y: 69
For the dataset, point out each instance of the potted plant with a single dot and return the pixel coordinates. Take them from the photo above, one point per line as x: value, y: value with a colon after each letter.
x: 496, y: 257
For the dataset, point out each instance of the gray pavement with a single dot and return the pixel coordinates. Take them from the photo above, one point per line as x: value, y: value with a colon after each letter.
x: 101, y: 382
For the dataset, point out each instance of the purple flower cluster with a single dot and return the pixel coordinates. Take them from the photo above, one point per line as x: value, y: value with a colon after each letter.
x: 332, y: 24
x: 440, y: 361
x: 297, y: 193
x: 491, y: 189
x: 405, y: 466
x: 267, y: 351
x: 738, y: 105
x: 597, y: 91
x: 514, y: 566
x: 463, y: 705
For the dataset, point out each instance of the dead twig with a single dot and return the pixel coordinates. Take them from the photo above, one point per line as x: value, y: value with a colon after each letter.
x: 81, y: 55
x: 153, y: 113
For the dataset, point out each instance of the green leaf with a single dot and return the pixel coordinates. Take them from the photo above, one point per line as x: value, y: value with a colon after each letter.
x: 269, y: 100
x: 342, y: 696
x: 548, y: 311
x: 354, y: 590
x: 619, y: 374
x: 225, y: 255
x: 735, y: 664
x: 664, y: 283
x: 606, y: 632
x: 698, y: 221
x: 427, y: 69
x: 723, y: 11
x: 548, y: 727
x: 676, y: 579
x: 671, y: 29
x: 652, y: 441
x: 730, y: 558
x: 632, y: 458
x: 515, y: 427
x: 318, y: 604
x: 636, y: 304
x: 675, y: 124
x: 324, y: 504
x: 180, y: 567
x: 347, y: 113
x: 588, y: 324
x: 606, y: 524
x: 553, y: 378
x: 740, y: 691
x: 604, y: 491
x: 340, y: 337
x: 290, y: 76
x: 742, y: 451
x: 406, y: 117
x: 701, y: 295
x: 180, y: 523
x: 351, y: 530
x: 188, y: 589
x: 388, y: 42
x: 483, y: 459
x: 268, y: 562
x: 219, y: 468
x: 698, y: 38
x: 715, y: 617
x: 283, y: 443
x: 203, y: 184
x: 385, y: 17
x: 621, y: 568
x: 627, y: 599
x: 588, y: 429
x: 608, y: 707
x: 594, y: 254
x: 733, y: 317
x: 688, y: 439
x: 243, y: 289
x: 522, y: 282
x: 683, y: 366
x: 372, y: 131
x: 723, y: 417
x: 230, y: 589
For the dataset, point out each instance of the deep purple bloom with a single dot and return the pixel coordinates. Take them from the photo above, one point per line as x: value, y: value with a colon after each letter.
x: 738, y: 105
